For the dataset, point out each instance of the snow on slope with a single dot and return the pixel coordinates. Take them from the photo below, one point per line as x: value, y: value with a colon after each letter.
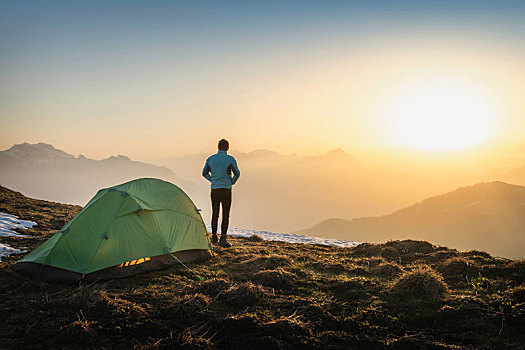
x: 287, y: 237
x: 6, y: 249
x: 7, y: 224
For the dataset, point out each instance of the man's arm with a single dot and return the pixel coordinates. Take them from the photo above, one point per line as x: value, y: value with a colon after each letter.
x: 206, y: 171
x: 236, y: 172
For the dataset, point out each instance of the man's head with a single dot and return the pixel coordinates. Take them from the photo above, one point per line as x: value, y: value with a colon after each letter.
x: 224, y: 145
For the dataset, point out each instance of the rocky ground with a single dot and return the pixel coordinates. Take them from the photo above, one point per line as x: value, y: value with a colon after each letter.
x: 270, y: 295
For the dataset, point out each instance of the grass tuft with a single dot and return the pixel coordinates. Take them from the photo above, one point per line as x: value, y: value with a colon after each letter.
x: 458, y: 268
x: 255, y: 238
x: 386, y: 270
x: 278, y: 278
x: 214, y: 286
x: 419, y: 284
x: 245, y: 293
x: 516, y: 269
x: 270, y: 262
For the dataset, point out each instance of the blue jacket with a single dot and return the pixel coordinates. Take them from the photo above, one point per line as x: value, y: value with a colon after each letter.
x: 221, y: 166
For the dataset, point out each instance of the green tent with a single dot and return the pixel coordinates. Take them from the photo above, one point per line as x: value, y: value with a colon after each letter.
x: 138, y: 226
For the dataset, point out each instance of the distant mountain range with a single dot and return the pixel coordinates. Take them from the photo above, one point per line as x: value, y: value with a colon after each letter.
x: 42, y: 171
x: 486, y: 216
x: 279, y: 192
x: 269, y: 195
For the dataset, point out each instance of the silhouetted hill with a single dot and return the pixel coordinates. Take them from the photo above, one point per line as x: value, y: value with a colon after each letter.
x: 486, y: 216
x: 40, y: 170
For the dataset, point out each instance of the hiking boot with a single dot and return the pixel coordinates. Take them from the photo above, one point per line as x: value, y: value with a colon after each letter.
x: 214, y: 239
x: 224, y: 243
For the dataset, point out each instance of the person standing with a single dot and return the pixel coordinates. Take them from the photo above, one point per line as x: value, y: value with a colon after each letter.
x: 221, y: 166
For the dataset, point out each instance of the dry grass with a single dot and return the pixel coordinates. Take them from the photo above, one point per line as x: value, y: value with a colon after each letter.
x: 245, y: 293
x: 214, y: 286
x: 292, y: 324
x: 386, y: 270
x: 255, y: 238
x: 458, y: 268
x: 278, y: 278
x: 271, y: 295
x: 517, y: 269
x: 517, y: 294
x: 421, y: 283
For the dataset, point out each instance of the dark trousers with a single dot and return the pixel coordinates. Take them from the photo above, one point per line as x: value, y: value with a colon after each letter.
x: 220, y: 196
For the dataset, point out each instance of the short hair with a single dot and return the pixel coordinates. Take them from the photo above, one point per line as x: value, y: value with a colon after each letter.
x: 224, y: 145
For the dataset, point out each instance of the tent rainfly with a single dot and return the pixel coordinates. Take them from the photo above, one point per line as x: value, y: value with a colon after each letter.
x: 141, y: 225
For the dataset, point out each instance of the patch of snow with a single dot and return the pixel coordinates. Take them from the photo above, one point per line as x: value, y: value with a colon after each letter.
x: 287, y: 237
x: 7, y: 224
x: 6, y: 249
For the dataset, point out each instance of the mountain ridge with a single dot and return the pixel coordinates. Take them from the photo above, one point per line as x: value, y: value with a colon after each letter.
x: 28, y: 151
x: 488, y: 216
x: 43, y: 171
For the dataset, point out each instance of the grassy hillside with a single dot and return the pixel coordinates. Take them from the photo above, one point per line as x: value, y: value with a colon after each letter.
x: 271, y: 295
x: 486, y: 216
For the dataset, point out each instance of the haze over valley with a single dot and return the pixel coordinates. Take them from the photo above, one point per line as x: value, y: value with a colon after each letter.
x: 283, y: 193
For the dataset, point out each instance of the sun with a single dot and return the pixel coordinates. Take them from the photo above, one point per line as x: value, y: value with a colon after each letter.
x: 439, y: 115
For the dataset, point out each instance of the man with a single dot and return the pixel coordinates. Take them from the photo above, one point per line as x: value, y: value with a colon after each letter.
x: 221, y: 166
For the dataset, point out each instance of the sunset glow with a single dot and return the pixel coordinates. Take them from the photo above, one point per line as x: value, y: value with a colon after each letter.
x: 436, y: 115
x: 363, y: 163
x: 363, y: 76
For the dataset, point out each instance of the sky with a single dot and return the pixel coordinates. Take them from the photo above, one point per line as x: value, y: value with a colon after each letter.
x: 157, y: 79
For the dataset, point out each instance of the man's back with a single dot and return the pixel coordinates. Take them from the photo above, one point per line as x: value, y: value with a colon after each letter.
x: 221, y: 166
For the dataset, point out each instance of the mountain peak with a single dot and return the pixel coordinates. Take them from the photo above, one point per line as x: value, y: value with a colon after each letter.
x: 37, y: 151
x: 336, y: 152
x: 262, y: 153
x: 27, y: 145
x: 339, y: 153
x: 119, y: 157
